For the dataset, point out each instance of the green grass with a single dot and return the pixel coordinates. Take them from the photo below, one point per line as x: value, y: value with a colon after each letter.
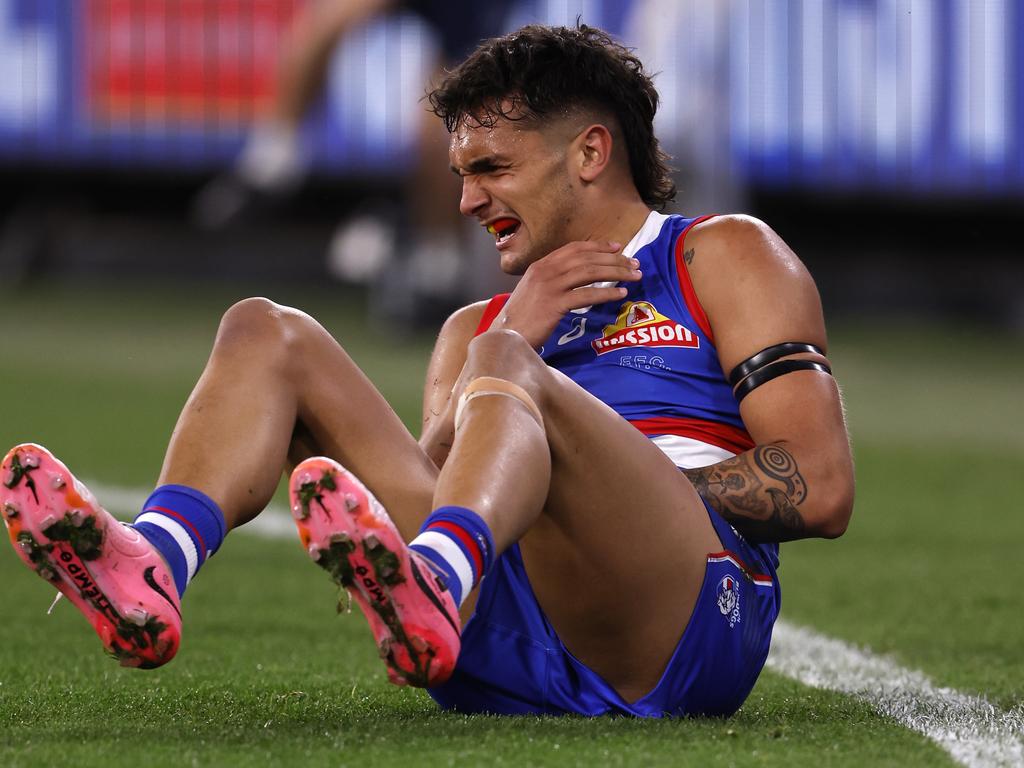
x: 927, y: 572
x: 268, y: 675
x: 928, y: 568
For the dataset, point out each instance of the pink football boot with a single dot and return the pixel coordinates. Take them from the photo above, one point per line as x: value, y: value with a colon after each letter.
x: 108, y: 570
x: 348, y: 533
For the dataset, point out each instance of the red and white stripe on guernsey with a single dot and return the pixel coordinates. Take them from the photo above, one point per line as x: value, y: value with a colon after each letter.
x: 687, y: 453
x: 724, y: 436
x: 759, y: 579
x: 686, y: 285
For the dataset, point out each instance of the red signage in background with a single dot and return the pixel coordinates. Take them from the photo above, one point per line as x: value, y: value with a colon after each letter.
x: 176, y: 62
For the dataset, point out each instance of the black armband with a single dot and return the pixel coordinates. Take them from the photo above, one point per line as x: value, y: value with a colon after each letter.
x: 769, y: 355
x: 773, y: 370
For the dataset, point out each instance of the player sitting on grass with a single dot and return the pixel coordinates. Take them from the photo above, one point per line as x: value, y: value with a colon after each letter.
x: 544, y: 498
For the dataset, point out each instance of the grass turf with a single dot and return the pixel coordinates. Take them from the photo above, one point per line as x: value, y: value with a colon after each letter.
x: 267, y: 675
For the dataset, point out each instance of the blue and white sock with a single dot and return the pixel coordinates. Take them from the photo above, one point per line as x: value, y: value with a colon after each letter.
x: 185, y: 525
x: 460, y: 544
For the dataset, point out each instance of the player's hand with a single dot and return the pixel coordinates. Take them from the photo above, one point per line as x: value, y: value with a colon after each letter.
x: 562, y: 281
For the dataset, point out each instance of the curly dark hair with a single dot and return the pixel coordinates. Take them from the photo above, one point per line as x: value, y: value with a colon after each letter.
x: 539, y: 70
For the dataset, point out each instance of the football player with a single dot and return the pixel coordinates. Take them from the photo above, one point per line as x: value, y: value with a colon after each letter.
x: 589, y: 522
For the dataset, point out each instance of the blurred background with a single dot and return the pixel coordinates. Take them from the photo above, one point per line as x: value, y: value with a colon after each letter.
x: 884, y: 139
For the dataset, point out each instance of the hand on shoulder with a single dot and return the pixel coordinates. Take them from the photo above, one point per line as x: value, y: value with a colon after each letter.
x: 579, y: 274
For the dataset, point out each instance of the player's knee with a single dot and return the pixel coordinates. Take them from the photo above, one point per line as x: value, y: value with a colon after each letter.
x: 504, y: 354
x: 257, y: 324
x: 507, y: 355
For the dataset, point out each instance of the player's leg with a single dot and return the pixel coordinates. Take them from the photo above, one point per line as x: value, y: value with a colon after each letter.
x: 437, y: 259
x: 302, y: 69
x: 274, y: 373
x: 273, y: 162
x: 614, y: 538
x: 430, y: 274
x: 278, y: 387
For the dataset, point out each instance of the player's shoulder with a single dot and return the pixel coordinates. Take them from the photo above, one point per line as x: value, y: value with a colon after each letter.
x: 751, y: 284
x: 722, y: 248
x: 469, y: 315
x: 463, y: 322
x: 739, y: 240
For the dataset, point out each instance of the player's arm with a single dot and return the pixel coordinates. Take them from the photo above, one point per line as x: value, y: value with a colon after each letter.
x: 446, y: 364
x: 797, y: 481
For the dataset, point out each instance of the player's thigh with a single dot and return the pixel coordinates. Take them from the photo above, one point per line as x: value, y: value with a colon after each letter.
x: 618, y: 557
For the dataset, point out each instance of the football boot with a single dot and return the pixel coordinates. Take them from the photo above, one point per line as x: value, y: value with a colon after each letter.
x: 347, y: 532
x: 106, y: 568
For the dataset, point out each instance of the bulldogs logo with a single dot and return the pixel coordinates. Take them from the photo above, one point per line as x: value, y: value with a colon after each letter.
x: 729, y: 600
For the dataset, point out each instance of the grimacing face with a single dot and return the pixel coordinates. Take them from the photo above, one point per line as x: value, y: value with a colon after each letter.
x: 517, y: 182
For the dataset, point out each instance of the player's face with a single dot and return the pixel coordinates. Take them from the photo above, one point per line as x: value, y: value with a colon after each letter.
x: 516, y: 182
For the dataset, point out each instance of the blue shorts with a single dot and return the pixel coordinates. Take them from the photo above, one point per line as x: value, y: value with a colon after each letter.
x: 512, y: 662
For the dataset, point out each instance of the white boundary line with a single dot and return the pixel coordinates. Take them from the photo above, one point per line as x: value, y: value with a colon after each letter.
x: 969, y: 728
x: 973, y: 731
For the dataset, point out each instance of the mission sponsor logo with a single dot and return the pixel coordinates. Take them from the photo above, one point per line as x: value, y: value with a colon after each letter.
x: 639, y: 324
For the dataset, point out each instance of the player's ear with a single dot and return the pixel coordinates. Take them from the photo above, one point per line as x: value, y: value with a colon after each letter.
x: 593, y: 150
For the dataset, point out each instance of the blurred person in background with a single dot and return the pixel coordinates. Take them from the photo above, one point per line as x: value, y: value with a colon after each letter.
x: 685, y: 43
x: 434, y: 267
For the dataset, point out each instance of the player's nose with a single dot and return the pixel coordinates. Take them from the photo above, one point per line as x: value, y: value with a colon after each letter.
x: 474, y: 197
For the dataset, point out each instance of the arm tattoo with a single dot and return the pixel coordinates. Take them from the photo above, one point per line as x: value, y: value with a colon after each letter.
x: 757, y: 492
x: 779, y: 465
x: 688, y: 256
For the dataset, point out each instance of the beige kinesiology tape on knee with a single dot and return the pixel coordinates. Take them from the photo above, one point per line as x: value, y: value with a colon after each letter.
x: 488, y: 385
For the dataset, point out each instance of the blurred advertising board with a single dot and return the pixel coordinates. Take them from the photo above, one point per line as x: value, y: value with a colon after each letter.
x: 920, y: 96
x: 181, y: 62
x: 175, y: 84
